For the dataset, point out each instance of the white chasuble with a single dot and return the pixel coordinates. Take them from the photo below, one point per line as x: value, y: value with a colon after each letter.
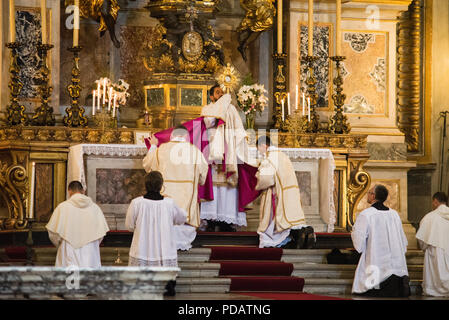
x: 153, y: 223
x: 183, y: 168
x: 76, y: 228
x: 433, y: 237
x: 276, y: 176
x: 378, y: 235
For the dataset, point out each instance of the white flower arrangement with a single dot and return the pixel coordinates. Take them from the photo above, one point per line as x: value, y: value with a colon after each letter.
x: 252, y: 98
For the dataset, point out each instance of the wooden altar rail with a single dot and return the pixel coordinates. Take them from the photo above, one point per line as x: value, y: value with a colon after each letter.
x: 21, y: 146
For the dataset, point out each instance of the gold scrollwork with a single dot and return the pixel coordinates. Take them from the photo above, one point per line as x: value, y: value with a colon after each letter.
x: 13, y: 185
x: 358, y: 183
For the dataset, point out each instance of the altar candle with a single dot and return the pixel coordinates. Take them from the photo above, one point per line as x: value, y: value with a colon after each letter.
x: 44, y: 20
x: 303, y: 104
x: 308, y: 112
x: 98, y: 94
x: 93, y: 102
x: 12, y: 21
x: 338, y: 28
x: 109, y: 98
x: 282, y: 109
x: 104, y: 91
x: 296, y: 97
x: 279, y: 31
x: 288, y: 103
x: 33, y: 174
x: 310, y: 48
x: 76, y: 24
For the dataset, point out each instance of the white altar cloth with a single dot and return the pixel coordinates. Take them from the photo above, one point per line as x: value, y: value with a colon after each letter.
x: 76, y: 168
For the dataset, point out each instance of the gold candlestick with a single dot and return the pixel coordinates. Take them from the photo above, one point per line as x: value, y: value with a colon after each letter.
x: 15, y: 112
x: 298, y: 124
x: 314, y: 124
x: 43, y: 116
x: 75, y: 113
x: 339, y: 122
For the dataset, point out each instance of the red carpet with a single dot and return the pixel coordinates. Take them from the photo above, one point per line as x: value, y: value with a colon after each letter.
x: 278, y: 283
x: 237, y: 268
x: 242, y: 253
x: 288, y: 296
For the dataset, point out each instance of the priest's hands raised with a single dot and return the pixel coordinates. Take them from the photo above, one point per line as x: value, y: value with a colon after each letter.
x: 153, y: 140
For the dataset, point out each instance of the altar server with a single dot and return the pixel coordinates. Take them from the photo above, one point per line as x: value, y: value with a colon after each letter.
x: 183, y: 168
x: 281, y: 214
x: 378, y: 235
x: 152, y: 218
x: 433, y: 237
x: 76, y: 228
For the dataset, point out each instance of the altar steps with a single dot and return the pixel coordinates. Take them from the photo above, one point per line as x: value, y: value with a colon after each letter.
x: 199, y: 275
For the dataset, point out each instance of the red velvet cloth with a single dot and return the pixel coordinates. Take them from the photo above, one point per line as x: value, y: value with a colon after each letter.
x: 266, y: 284
x: 245, y: 253
x: 245, y: 268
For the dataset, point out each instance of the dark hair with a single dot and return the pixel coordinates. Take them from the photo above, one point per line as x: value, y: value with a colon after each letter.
x: 212, y: 90
x: 154, y: 181
x: 440, y: 196
x: 180, y: 130
x: 76, y: 186
x: 263, y: 140
x: 380, y: 193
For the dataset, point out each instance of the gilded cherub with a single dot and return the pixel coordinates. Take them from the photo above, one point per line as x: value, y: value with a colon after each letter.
x: 259, y: 17
x: 103, y: 11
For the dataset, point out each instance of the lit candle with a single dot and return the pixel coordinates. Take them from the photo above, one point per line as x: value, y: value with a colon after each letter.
x: 308, y: 112
x: 310, y: 51
x: 33, y: 174
x: 76, y: 24
x: 104, y: 91
x: 296, y: 97
x: 338, y: 28
x: 279, y: 13
x: 44, y: 20
x: 98, y: 95
x: 12, y: 21
x: 109, y: 98
x: 288, y: 103
x: 283, y: 110
x: 93, y: 102
x: 303, y: 104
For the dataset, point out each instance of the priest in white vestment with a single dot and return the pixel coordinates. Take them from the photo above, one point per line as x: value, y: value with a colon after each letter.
x: 280, y: 207
x: 183, y: 168
x: 76, y: 228
x: 433, y: 237
x: 379, y: 237
x: 152, y: 219
x: 227, y: 144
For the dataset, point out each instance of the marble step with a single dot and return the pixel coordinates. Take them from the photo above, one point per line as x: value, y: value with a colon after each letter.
x: 339, y: 271
x: 344, y: 286
x: 202, y: 285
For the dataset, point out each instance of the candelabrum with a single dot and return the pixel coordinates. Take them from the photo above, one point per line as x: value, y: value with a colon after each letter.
x: 43, y: 115
x: 75, y: 113
x: 314, y: 124
x: 298, y: 124
x: 105, y: 117
x: 281, y: 121
x: 15, y: 113
x: 339, y: 122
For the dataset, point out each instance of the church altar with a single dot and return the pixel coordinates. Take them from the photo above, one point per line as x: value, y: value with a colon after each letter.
x: 113, y: 175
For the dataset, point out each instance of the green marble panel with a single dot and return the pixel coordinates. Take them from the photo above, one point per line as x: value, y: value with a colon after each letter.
x: 191, y: 97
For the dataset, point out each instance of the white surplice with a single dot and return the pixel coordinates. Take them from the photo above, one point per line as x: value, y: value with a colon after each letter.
x: 433, y: 237
x: 153, y: 223
x: 378, y: 235
x: 76, y: 228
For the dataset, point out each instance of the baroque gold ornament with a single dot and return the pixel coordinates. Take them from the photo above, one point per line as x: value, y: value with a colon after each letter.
x: 192, y: 45
x: 228, y: 77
